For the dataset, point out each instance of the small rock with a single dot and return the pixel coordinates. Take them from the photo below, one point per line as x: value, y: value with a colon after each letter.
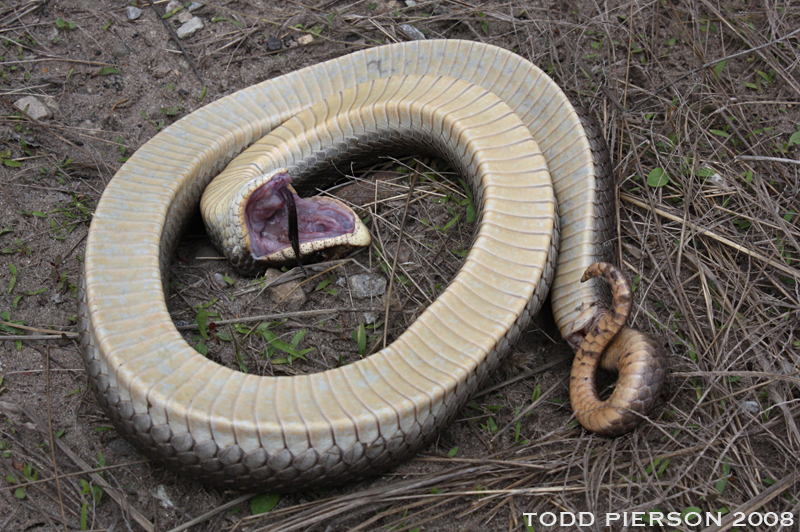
x: 411, y: 3
x: 289, y: 41
x: 33, y: 107
x: 194, y: 6
x: 133, y: 12
x: 370, y: 317
x: 274, y: 44
x: 184, y: 17
x: 412, y: 32
x: 367, y: 285
x: 190, y: 28
x: 289, y: 296
x: 751, y: 406
x: 120, y: 50
x: 404, y: 255
x: 305, y: 39
x: 162, y: 495
x: 172, y: 5
x: 161, y: 72
x: 219, y: 280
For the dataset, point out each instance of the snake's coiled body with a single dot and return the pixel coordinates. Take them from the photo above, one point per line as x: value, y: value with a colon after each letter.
x: 481, y: 107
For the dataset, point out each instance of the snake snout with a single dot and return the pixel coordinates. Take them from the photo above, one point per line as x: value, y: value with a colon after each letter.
x: 636, y: 356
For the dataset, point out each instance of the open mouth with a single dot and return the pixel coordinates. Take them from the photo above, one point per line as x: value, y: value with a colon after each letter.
x: 284, y: 227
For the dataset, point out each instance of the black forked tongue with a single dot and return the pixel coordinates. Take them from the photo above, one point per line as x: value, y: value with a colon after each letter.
x: 291, y: 215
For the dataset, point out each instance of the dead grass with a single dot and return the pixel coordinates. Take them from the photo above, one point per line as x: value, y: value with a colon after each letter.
x: 706, y: 92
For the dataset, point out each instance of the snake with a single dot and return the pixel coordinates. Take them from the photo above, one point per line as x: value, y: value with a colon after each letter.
x: 541, y: 180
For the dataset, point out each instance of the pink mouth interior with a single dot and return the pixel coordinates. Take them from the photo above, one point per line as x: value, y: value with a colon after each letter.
x: 267, y: 222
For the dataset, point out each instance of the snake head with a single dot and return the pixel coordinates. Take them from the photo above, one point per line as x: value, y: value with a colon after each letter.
x: 281, y: 231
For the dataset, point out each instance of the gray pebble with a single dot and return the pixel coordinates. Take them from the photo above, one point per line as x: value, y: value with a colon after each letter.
x: 174, y: 4
x: 33, y: 107
x: 751, y: 406
x: 188, y: 29
x: 133, y: 12
x: 412, y: 32
x: 367, y: 285
x: 219, y: 280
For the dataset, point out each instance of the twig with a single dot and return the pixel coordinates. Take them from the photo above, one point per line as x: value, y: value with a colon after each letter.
x: 767, y: 159
x: 160, y: 14
x: 50, y: 332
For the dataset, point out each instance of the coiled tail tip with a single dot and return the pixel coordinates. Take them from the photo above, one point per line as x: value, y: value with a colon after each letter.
x: 640, y: 361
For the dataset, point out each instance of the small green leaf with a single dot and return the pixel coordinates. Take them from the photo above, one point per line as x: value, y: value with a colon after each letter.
x: 106, y: 71
x: 263, y: 503
x: 795, y: 138
x: 537, y: 392
x: 298, y: 336
x: 452, y: 452
x: 289, y: 349
x: 201, y: 348
x: 452, y: 222
x: 721, y: 484
x: 13, y: 281
x: 657, y: 178
x: 720, y: 67
x: 201, y: 319
x: 360, y: 336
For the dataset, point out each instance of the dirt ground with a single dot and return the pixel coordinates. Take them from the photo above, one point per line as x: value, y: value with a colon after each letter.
x: 700, y: 103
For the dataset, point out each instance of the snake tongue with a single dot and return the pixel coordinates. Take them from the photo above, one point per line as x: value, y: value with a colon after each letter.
x: 283, y: 227
x: 291, y: 215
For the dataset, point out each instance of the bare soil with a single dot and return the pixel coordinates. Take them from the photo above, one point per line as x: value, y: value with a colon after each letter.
x: 703, y: 93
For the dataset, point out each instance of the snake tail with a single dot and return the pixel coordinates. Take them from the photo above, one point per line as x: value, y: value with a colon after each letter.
x: 640, y: 361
